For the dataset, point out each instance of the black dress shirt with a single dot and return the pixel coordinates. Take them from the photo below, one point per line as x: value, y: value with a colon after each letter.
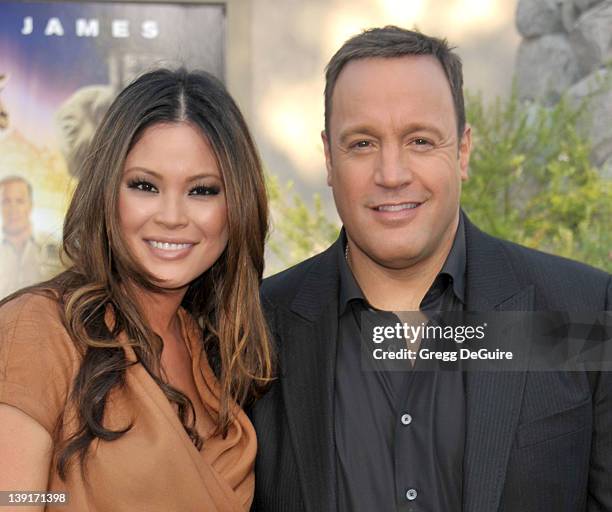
x: 399, y: 435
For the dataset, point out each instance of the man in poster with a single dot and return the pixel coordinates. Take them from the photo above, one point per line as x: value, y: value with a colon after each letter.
x: 333, y: 437
x: 25, y: 257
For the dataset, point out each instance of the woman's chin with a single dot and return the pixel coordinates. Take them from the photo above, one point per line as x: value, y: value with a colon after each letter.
x: 171, y: 283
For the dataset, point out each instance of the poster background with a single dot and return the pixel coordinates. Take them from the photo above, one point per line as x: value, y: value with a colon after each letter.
x: 61, y: 79
x: 44, y: 71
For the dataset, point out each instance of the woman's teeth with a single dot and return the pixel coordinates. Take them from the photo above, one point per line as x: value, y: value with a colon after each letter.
x: 165, y: 246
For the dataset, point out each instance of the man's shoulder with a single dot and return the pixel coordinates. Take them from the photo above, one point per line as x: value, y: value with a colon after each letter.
x: 288, y: 280
x: 283, y: 286
x: 541, y: 264
x: 527, y: 263
x: 560, y: 283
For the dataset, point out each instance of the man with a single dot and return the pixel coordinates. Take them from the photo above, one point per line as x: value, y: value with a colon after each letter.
x: 24, y: 258
x: 333, y: 437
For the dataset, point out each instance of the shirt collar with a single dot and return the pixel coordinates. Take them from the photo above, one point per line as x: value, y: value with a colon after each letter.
x: 4, y: 241
x: 349, y: 289
x: 454, y: 268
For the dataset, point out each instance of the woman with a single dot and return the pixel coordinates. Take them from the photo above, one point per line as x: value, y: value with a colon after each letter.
x: 106, y: 386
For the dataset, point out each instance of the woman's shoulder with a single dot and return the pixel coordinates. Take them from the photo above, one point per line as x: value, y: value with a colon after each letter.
x: 38, y: 359
x: 32, y: 323
x: 37, y: 310
x: 32, y: 302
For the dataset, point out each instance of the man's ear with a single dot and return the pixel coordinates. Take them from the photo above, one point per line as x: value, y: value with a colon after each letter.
x: 465, y: 149
x: 327, y: 151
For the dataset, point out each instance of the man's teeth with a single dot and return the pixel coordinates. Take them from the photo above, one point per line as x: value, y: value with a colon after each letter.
x: 397, y: 207
x: 167, y: 246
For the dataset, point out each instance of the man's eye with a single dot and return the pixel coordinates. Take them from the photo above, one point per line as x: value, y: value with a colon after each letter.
x: 142, y: 185
x: 421, y: 142
x: 204, y: 191
x: 361, y: 144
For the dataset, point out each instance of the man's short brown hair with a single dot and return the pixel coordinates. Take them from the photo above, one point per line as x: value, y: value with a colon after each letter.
x: 17, y: 179
x: 391, y: 41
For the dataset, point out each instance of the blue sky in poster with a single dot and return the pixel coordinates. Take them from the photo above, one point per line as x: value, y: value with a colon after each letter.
x: 44, y: 70
x: 56, y: 58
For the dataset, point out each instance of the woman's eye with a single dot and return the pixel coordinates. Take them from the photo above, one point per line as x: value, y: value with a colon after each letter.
x: 142, y: 185
x: 204, y: 191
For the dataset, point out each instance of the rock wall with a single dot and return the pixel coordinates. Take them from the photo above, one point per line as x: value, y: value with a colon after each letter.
x: 567, y: 48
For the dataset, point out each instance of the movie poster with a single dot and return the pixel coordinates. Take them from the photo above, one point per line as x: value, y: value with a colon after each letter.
x: 61, y: 64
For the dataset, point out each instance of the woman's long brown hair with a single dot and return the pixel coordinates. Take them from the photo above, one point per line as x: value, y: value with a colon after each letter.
x: 225, y: 299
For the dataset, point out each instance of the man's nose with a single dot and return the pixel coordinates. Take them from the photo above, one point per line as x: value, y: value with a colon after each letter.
x: 172, y: 211
x: 11, y: 207
x: 392, y: 169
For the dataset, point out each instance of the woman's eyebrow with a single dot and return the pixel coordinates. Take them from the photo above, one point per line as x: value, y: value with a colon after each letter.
x: 160, y: 177
x: 145, y: 170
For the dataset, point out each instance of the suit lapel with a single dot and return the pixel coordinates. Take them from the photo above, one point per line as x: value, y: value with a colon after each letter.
x: 493, y: 399
x: 308, y: 359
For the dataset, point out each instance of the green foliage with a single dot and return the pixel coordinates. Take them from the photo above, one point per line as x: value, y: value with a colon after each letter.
x: 530, y: 182
x: 298, y: 231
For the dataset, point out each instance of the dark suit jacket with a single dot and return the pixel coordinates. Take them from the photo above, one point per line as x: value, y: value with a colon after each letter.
x: 535, y: 441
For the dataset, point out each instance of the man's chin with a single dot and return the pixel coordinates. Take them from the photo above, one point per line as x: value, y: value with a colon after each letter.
x: 395, y: 258
x: 401, y: 262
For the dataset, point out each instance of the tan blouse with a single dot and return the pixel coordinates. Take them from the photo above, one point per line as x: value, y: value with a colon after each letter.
x: 154, y: 466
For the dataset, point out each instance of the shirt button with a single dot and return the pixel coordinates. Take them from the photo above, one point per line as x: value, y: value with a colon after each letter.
x: 406, y: 419
x: 411, y: 494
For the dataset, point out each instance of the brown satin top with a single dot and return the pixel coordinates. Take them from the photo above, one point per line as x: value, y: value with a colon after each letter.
x: 154, y: 466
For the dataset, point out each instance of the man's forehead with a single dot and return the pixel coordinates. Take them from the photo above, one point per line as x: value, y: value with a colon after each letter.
x: 413, y: 68
x: 409, y: 84
x: 14, y: 187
